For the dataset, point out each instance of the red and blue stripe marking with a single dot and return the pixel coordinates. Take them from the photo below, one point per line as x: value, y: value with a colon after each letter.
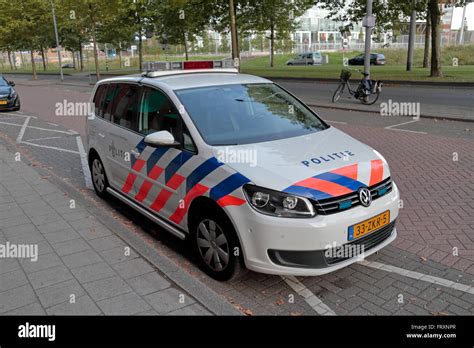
x: 336, y: 182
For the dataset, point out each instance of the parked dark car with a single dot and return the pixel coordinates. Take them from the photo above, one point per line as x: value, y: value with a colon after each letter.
x: 68, y: 66
x: 9, y: 99
x: 375, y: 59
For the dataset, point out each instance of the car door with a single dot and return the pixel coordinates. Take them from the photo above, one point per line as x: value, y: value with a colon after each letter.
x: 160, y: 186
x: 124, y: 143
x: 299, y: 59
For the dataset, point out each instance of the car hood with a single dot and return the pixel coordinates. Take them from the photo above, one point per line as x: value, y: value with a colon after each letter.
x: 5, y: 90
x: 320, y: 165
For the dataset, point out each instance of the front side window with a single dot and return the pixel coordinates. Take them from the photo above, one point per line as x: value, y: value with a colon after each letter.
x: 247, y: 113
x: 157, y: 113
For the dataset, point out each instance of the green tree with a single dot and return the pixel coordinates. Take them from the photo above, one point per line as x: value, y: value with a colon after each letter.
x: 278, y: 17
x: 178, y: 22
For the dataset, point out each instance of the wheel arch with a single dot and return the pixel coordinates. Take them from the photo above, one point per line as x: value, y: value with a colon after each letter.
x: 203, y: 202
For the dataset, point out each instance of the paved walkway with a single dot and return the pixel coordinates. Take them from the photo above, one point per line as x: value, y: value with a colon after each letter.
x: 82, y: 267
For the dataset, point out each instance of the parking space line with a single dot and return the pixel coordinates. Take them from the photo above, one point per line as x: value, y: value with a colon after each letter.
x: 419, y: 276
x: 22, y: 130
x: 47, y: 138
x: 84, y: 162
x: 338, y: 122
x: 311, y: 299
x: 392, y: 127
x: 39, y: 128
x: 50, y: 147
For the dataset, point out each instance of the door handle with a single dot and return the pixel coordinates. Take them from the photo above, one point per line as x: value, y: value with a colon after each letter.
x: 135, y: 153
x: 101, y: 135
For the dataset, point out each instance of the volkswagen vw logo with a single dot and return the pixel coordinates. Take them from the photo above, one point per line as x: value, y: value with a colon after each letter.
x: 365, y: 197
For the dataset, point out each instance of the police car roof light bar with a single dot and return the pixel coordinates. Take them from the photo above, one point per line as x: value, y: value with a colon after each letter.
x: 187, y: 65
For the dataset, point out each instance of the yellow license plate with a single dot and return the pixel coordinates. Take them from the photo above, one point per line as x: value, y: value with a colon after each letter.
x: 3, y: 102
x: 368, y: 226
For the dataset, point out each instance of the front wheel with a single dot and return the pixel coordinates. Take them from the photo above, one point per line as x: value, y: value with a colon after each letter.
x: 337, y: 94
x: 99, y: 178
x: 216, y: 245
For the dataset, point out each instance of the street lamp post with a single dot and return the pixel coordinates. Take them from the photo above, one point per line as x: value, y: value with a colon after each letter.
x: 369, y: 23
x: 411, y: 42
x: 463, y: 23
x: 57, y: 41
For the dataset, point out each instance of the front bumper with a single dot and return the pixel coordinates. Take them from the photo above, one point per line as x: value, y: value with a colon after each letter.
x: 264, y: 237
x: 11, y: 103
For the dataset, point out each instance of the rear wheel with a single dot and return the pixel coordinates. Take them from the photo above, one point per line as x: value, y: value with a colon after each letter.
x: 216, y: 246
x: 337, y: 94
x: 99, y: 177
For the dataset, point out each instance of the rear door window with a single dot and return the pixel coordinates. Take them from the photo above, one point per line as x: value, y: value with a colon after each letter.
x: 125, y: 106
x: 108, y: 101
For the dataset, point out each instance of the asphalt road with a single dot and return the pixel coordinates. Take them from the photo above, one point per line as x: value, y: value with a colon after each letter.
x: 417, y: 274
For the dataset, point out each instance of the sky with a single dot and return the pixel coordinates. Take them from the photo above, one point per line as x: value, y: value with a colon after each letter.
x: 457, y: 15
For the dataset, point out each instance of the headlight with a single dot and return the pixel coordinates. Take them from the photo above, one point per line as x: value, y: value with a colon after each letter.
x: 277, y: 203
x: 12, y: 94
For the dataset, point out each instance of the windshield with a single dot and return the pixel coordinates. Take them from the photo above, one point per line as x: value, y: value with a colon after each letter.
x: 245, y: 114
x: 3, y: 82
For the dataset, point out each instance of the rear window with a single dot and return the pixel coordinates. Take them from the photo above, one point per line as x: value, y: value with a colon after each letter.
x: 99, y: 99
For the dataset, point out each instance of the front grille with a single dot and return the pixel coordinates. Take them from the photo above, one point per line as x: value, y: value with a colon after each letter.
x: 367, y: 242
x: 335, y: 205
x: 320, y: 258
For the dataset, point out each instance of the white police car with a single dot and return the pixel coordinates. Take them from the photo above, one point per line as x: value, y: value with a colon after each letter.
x: 240, y: 166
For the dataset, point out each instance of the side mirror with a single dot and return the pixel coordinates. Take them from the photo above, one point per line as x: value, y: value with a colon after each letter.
x: 161, y: 138
x: 11, y: 83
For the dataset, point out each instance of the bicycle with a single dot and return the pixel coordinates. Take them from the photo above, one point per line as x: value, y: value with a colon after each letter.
x: 364, y: 91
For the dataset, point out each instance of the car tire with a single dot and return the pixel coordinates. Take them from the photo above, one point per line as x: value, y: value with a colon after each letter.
x: 290, y: 64
x: 17, y: 107
x: 216, y: 246
x: 99, y: 176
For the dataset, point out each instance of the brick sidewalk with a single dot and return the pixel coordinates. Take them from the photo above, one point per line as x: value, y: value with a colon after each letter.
x: 83, y: 268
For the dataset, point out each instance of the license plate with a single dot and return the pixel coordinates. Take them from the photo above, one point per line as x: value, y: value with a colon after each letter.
x: 3, y: 102
x: 368, y: 226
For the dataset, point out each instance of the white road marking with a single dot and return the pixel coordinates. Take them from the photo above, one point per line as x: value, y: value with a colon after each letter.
x: 84, y: 162
x: 50, y: 147
x: 48, y: 138
x: 52, y: 124
x: 22, y: 130
x: 39, y: 128
x: 338, y: 122
x: 392, y: 127
x: 319, y: 306
x: 419, y: 276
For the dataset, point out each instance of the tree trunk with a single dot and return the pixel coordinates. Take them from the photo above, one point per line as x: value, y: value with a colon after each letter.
x: 426, y: 54
x: 96, y: 58
x: 33, y: 65
x: 10, y: 59
x: 272, y: 44
x: 73, y: 60
x: 81, y: 58
x: 120, y: 57
x: 185, y: 41
x: 435, y: 39
x: 43, y: 58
